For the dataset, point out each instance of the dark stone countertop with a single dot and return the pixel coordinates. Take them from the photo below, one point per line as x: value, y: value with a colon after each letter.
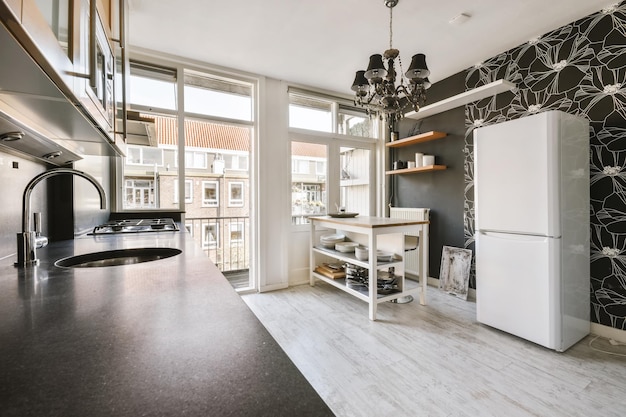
x: 163, y: 338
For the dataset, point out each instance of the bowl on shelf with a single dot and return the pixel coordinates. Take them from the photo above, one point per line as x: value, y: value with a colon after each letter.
x: 383, y: 256
x: 361, y: 253
x: 329, y: 241
x: 346, y: 246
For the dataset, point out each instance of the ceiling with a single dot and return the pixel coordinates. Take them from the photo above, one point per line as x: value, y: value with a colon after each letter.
x: 321, y: 43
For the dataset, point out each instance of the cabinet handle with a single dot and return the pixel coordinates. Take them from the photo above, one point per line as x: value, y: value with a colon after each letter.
x: 92, y: 43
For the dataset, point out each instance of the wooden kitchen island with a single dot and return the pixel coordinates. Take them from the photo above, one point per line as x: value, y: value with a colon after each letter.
x: 377, y: 233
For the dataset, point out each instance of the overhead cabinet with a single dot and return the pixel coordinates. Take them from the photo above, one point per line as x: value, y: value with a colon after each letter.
x: 15, y: 7
x: 72, y: 44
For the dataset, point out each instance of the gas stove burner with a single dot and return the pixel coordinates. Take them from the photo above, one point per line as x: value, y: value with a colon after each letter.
x: 136, y: 226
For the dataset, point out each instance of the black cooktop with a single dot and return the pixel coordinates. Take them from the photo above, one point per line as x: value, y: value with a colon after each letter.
x: 136, y: 226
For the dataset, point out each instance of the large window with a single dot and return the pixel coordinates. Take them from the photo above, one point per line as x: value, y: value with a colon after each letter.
x: 152, y: 86
x: 354, y: 123
x: 310, y: 113
x: 151, y: 137
x: 328, y: 114
x: 214, y: 96
x: 308, y: 180
x: 329, y: 172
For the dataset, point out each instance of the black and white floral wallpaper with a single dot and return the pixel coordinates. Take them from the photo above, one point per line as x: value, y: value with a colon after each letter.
x: 580, y: 69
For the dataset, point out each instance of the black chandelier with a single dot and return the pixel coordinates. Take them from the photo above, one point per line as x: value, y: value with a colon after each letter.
x: 375, y: 88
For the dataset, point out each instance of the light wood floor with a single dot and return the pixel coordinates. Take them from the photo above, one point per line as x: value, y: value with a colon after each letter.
x: 434, y: 360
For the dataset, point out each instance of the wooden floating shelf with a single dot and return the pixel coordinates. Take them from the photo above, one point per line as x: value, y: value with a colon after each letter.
x: 411, y: 140
x: 426, y: 168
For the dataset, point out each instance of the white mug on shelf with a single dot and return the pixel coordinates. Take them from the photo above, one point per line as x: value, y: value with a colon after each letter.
x: 411, y: 164
x: 428, y: 160
x: 418, y: 159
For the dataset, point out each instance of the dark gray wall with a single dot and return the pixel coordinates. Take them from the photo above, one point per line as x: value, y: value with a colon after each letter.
x: 69, y: 206
x: 12, y: 183
x: 87, y: 213
x: 441, y: 191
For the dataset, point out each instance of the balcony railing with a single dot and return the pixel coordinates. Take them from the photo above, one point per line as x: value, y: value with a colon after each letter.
x: 226, y: 241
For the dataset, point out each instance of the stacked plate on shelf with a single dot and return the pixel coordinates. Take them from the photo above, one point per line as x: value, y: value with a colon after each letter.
x: 346, y: 246
x: 329, y: 241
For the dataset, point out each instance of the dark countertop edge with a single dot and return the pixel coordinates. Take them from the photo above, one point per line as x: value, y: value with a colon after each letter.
x: 161, y: 338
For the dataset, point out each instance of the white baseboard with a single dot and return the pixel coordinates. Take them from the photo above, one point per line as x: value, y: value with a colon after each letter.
x: 608, y: 332
x: 274, y: 287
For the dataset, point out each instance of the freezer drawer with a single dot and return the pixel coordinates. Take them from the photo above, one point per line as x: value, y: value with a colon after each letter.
x: 517, y: 285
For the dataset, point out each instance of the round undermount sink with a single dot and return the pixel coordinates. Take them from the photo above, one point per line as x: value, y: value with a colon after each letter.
x: 117, y: 257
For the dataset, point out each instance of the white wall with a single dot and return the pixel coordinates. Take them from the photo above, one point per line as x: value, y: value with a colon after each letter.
x: 274, y: 182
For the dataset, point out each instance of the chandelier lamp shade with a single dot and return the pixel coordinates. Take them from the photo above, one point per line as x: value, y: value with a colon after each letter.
x: 376, y: 90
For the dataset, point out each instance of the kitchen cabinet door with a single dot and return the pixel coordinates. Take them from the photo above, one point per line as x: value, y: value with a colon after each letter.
x: 104, y: 9
x: 15, y: 7
x: 95, y: 60
x: 50, y: 38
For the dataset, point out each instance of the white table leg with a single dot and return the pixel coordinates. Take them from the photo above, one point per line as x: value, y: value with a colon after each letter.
x: 423, y: 261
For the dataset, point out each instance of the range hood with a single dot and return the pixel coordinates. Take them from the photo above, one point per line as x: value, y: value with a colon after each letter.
x: 31, y: 103
x: 16, y: 137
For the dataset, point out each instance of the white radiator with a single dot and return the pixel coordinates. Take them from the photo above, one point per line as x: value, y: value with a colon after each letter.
x: 411, y: 258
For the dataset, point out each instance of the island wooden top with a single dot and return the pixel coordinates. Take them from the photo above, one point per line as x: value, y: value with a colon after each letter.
x: 368, y: 221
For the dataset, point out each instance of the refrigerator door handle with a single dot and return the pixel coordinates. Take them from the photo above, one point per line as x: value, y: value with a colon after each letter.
x: 516, y: 236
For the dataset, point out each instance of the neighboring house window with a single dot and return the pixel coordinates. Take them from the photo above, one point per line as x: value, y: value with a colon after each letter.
x: 210, y: 235
x: 300, y: 166
x: 143, y: 155
x: 236, y: 162
x: 320, y: 167
x: 235, y: 194
x: 236, y: 232
x: 195, y: 159
x: 139, y: 193
x: 189, y: 227
x: 210, y: 194
x: 188, y: 191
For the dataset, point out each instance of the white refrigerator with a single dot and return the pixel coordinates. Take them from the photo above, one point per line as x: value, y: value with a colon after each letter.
x: 531, y: 193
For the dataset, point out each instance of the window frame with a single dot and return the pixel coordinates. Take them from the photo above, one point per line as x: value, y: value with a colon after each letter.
x: 337, y: 106
x: 211, y: 202
x: 206, y: 243
x: 333, y: 145
x: 193, y: 153
x: 188, y: 199
x: 232, y: 202
x: 141, y: 150
x: 240, y: 229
